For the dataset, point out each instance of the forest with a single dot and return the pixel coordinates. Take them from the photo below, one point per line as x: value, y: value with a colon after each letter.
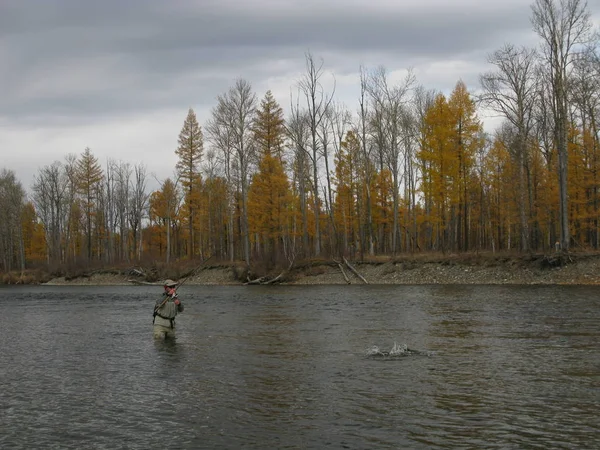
x: 405, y: 170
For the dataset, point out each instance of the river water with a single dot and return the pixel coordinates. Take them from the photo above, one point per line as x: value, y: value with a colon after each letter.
x: 297, y: 367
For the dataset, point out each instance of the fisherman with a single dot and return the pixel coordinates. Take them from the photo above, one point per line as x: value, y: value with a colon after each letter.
x: 165, y: 310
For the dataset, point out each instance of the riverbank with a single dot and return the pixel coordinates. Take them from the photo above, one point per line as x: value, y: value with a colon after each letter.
x: 576, y: 268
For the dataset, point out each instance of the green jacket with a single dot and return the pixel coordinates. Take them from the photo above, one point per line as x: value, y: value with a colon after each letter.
x: 166, y: 311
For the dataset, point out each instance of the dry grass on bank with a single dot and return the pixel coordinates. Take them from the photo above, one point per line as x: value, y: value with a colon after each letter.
x: 418, y: 268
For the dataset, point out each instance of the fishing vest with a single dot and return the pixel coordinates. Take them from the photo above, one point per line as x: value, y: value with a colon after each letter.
x: 168, y: 311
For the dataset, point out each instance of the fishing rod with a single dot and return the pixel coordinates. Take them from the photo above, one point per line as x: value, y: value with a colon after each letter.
x: 193, y: 272
x: 180, y: 284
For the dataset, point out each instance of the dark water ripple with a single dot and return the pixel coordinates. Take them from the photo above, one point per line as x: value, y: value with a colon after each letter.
x: 287, y: 367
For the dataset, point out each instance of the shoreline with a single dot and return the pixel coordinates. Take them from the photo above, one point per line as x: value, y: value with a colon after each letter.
x: 581, y: 270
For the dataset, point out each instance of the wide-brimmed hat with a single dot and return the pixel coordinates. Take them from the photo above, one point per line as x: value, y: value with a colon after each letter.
x: 170, y: 283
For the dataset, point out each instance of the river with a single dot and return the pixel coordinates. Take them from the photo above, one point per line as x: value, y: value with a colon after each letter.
x: 302, y: 367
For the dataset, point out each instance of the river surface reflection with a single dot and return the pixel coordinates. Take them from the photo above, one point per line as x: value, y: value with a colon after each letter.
x: 289, y: 367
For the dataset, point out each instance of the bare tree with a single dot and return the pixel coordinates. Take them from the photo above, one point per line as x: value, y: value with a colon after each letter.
x: 424, y: 100
x: 122, y: 194
x: 389, y: 104
x: 339, y: 120
x: 318, y: 103
x: 511, y: 90
x: 298, y: 131
x: 49, y: 191
x: 366, y: 149
x: 110, y: 209
x: 563, y: 25
x: 585, y: 94
x: 241, y: 103
x: 410, y: 142
x: 12, y: 202
x: 220, y: 135
x: 232, y: 125
x: 69, y: 252
x: 138, y: 205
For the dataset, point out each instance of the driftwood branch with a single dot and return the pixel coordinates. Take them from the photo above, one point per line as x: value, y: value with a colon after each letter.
x: 354, y: 271
x: 255, y: 281
x: 146, y: 283
x: 343, y: 271
x: 265, y: 280
x: 276, y: 279
x: 137, y: 272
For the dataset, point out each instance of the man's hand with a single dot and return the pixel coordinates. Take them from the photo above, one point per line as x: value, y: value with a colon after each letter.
x: 176, y: 301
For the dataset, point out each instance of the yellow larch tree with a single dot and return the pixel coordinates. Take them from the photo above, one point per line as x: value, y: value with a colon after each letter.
x: 89, y: 178
x: 269, y: 196
x: 189, y: 151
x: 34, y: 236
x: 439, y: 168
x: 466, y: 138
x: 346, y: 199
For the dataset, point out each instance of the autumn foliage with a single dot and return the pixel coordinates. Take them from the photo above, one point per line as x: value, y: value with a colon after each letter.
x: 414, y: 172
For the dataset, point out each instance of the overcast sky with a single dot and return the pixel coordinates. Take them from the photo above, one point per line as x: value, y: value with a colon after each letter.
x: 118, y: 76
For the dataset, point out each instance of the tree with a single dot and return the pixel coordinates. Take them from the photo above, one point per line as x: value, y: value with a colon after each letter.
x: 122, y: 197
x: 423, y: 102
x: 439, y: 169
x: 49, y: 195
x: 220, y: 135
x: 337, y: 121
x: 216, y: 197
x: 388, y: 123
x: 137, y: 207
x: 298, y: 132
x: 562, y: 25
x: 269, y: 196
x: 189, y: 151
x: 317, y: 103
x: 232, y: 123
x: 72, y: 238
x: 349, y: 182
x: 89, y: 183
x: 12, y: 203
x: 585, y: 94
x: 269, y: 127
x: 366, y: 149
x: 466, y: 140
x: 269, y: 200
x: 499, y: 171
x: 511, y: 90
x: 34, y: 238
x: 164, y: 204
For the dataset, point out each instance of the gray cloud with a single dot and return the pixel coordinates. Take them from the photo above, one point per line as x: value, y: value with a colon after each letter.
x: 119, y: 75
x: 71, y: 58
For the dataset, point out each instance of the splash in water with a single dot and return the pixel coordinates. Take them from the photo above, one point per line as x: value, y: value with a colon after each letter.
x: 396, y: 351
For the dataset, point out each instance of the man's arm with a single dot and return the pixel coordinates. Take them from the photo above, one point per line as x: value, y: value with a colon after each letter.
x: 178, y: 303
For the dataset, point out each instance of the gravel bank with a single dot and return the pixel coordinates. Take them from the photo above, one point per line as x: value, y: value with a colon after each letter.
x: 579, y: 270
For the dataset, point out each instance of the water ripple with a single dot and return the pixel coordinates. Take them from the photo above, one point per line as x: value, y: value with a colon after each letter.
x: 423, y: 367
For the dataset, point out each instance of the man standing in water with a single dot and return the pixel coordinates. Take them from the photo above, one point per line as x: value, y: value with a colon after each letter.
x: 165, y: 310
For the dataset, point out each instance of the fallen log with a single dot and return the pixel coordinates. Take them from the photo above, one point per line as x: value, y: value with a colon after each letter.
x: 266, y: 280
x: 343, y: 271
x: 355, y: 271
x: 255, y: 281
x: 145, y: 283
x: 137, y: 272
x: 274, y: 280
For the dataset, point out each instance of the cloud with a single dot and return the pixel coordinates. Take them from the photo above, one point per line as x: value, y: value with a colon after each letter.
x: 95, y: 58
x: 111, y: 74
x: 147, y: 139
